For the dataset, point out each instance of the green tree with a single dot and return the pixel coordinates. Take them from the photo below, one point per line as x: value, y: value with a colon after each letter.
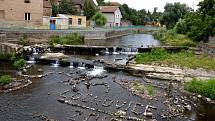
x: 89, y: 9
x: 101, y: 2
x: 172, y: 14
x: 55, y: 8
x: 99, y: 19
x: 67, y: 7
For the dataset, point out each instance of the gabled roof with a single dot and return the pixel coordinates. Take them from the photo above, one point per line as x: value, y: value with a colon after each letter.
x: 108, y: 9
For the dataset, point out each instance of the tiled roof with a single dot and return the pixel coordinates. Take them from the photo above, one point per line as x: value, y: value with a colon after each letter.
x: 109, y: 9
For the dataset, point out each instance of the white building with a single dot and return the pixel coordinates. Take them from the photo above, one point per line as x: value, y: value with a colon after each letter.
x: 113, y: 15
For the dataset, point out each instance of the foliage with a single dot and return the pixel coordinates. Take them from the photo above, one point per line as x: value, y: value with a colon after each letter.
x: 72, y: 39
x: 24, y: 40
x: 5, y: 79
x: 138, y: 17
x: 170, y: 37
x: 205, y: 88
x: 19, y: 64
x: 172, y: 13
x: 89, y: 9
x: 101, y: 2
x: 138, y: 86
x: 199, y: 25
x: 99, y: 19
x: 183, y: 59
x: 67, y: 7
x: 155, y: 55
x: 150, y: 90
x: 55, y: 8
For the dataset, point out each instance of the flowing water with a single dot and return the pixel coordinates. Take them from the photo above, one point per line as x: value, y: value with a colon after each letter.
x: 39, y: 100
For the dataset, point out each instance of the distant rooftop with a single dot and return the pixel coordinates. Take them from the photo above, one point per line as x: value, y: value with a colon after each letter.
x: 108, y: 9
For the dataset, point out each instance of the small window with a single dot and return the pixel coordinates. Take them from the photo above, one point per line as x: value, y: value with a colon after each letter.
x: 70, y: 21
x: 79, y: 21
x: 27, y: 1
x: 27, y: 16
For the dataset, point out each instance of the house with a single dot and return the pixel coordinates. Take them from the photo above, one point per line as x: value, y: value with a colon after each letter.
x: 63, y: 21
x: 24, y: 11
x: 113, y: 15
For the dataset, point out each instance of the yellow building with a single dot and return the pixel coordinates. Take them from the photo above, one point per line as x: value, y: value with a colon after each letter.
x: 63, y: 21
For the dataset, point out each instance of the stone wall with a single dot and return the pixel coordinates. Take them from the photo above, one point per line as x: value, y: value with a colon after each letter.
x: 3, y: 38
x: 8, y: 48
x: 207, y: 48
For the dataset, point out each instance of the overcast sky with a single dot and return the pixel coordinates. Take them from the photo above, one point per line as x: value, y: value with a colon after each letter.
x: 150, y: 4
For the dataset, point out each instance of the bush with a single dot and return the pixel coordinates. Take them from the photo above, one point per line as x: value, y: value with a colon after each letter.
x: 72, y: 39
x: 24, y: 40
x: 19, y: 64
x: 155, y: 55
x: 5, y: 79
x: 205, y: 88
x: 150, y: 90
x: 99, y: 19
x: 171, y: 38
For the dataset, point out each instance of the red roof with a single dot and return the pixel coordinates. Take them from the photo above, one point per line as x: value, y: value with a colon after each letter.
x: 109, y: 9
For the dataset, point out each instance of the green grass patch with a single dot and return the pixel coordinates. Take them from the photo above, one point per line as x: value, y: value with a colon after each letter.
x: 171, y: 38
x: 205, y: 88
x: 72, y: 39
x: 182, y: 59
x: 138, y: 86
x: 5, y: 79
x: 19, y: 64
x: 150, y: 90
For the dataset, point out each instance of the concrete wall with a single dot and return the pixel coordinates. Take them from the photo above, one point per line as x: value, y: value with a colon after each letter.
x: 3, y: 38
x: 14, y: 10
x: 110, y: 19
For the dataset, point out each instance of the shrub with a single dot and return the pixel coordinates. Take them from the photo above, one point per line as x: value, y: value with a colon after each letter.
x: 72, y: 39
x: 150, y: 90
x: 5, y: 79
x: 99, y: 19
x: 24, y: 40
x: 158, y: 54
x: 205, y: 88
x: 19, y: 64
x: 170, y: 37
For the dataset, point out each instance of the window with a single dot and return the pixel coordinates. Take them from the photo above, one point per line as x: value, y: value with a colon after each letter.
x: 27, y: 1
x: 70, y: 21
x: 79, y: 21
x: 27, y: 16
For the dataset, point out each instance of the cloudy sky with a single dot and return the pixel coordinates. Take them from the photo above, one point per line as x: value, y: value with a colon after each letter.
x: 150, y: 4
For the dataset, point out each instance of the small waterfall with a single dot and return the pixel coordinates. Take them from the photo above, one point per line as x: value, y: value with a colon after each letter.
x: 115, y: 51
x: 97, y: 71
x: 35, y: 52
x: 106, y: 51
x: 57, y: 63
x: 82, y: 66
x: 71, y: 65
x: 31, y: 60
x: 129, y: 51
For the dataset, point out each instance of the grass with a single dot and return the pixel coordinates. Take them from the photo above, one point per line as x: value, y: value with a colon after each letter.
x: 72, y: 39
x: 171, y: 38
x: 5, y: 79
x: 205, y: 88
x: 138, y: 86
x: 182, y: 59
x: 150, y: 90
x: 19, y: 64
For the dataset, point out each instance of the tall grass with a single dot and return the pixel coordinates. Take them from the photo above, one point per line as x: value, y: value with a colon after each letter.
x: 205, y: 88
x: 5, y: 79
x: 72, y: 39
x: 170, y: 37
x: 183, y: 59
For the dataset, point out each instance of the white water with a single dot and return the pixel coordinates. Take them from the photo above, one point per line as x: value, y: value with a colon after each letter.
x: 107, y: 51
x: 114, y: 51
x: 31, y: 60
x: 56, y: 64
x: 35, y: 51
x: 97, y: 71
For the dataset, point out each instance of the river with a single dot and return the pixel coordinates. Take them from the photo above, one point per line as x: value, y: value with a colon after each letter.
x: 38, y: 101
